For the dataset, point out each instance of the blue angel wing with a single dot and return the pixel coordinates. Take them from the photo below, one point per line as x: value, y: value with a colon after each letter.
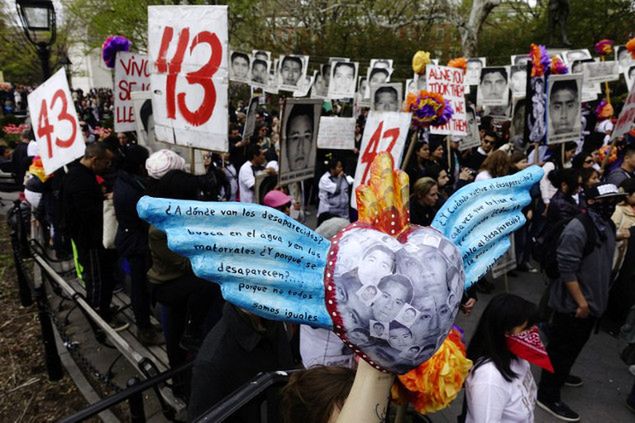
x: 264, y: 261
x: 479, y: 218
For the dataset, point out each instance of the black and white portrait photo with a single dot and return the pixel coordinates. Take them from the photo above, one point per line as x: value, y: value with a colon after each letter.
x: 300, y: 125
x: 493, y: 88
x: 376, y: 76
x: 623, y: 56
x: 629, y: 76
x: 520, y: 60
x: 563, y: 108
x: 261, y: 54
x: 579, y: 54
x: 239, y: 65
x: 473, y: 71
x: 305, y: 85
x: 381, y: 64
x: 343, y: 80
x: 260, y: 73
x: 536, y: 119
x: 386, y: 97
x: 250, y: 120
x: 292, y: 68
x: 518, y: 80
x: 398, y: 299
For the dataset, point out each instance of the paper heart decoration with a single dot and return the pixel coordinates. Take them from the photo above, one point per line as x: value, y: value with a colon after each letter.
x: 393, y: 300
x: 389, y: 289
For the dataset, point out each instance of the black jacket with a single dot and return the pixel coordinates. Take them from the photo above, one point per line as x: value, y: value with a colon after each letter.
x: 83, y: 205
x: 233, y: 353
x: 132, y: 232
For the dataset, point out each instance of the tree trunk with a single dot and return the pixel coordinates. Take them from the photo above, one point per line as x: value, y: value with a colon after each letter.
x: 470, y: 28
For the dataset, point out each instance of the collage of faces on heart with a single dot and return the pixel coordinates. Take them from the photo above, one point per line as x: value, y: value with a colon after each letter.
x: 397, y: 301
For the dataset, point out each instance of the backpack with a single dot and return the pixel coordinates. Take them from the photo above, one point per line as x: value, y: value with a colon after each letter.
x: 545, y: 249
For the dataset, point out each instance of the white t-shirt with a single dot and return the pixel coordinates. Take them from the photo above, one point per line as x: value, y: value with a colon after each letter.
x: 246, y: 182
x: 491, y: 399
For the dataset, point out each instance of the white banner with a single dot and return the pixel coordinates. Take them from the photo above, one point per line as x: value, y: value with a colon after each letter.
x: 384, y: 131
x: 55, y: 123
x: 336, y: 133
x: 132, y: 73
x: 450, y: 83
x: 188, y: 48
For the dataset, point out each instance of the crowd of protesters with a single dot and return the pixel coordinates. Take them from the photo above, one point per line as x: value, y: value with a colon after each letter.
x: 585, y: 199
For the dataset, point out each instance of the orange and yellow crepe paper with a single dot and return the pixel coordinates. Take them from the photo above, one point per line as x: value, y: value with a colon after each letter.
x: 419, y: 62
x: 459, y: 62
x: 630, y: 46
x: 383, y: 201
x: 436, y: 383
x: 37, y: 169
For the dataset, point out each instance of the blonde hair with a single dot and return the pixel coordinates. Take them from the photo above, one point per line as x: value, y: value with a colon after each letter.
x: 423, y: 186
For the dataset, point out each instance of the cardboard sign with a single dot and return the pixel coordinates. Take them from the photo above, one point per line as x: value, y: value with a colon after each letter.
x: 627, y: 116
x: 450, y: 83
x: 336, y: 133
x: 595, y: 72
x: 563, y: 108
x: 493, y: 89
x: 188, y: 51
x: 384, y: 131
x: 473, y: 138
x: 473, y: 71
x: 55, y: 123
x: 132, y: 73
x: 300, y: 128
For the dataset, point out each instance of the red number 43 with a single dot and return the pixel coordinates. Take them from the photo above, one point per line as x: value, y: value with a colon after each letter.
x: 45, y: 129
x: 373, y: 145
x: 201, y: 76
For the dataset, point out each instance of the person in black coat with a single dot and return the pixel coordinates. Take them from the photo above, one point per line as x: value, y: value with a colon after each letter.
x: 131, y: 240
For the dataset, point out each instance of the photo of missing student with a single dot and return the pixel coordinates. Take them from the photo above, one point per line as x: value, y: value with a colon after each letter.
x: 343, y: 79
x: 300, y: 124
x: 292, y: 68
x: 250, y: 120
x: 473, y: 71
x: 579, y: 54
x: 536, y: 119
x: 518, y: 80
x: 397, y: 300
x: 563, y: 108
x: 520, y: 60
x: 623, y: 56
x: 239, y: 65
x: 376, y: 76
x: 261, y: 54
x: 386, y: 97
x: 260, y: 73
x: 493, y: 88
x: 629, y: 77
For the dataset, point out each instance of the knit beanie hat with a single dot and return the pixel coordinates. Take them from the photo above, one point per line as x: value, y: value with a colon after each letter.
x: 163, y: 161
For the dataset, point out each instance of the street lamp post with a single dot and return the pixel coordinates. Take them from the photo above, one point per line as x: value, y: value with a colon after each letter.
x: 38, y: 22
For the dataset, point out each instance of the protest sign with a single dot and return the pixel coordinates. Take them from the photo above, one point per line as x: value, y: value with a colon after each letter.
x: 132, y: 73
x: 623, y: 57
x: 629, y: 76
x: 292, y: 69
x: 55, y: 123
x: 250, y: 120
x: 627, y: 116
x: 563, y: 108
x: 473, y: 138
x: 336, y: 133
x: 384, y: 131
x: 596, y: 72
x: 571, y: 55
x: 450, y: 83
x: 300, y: 127
x: 493, y: 89
x: 536, y: 127
x: 386, y: 97
x: 342, y: 80
x: 189, y: 78
x: 473, y: 71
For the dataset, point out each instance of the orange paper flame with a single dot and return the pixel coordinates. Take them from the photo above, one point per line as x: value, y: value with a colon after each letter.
x: 384, y: 201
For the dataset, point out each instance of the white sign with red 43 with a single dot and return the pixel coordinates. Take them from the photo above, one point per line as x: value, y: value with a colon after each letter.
x: 188, y: 48
x: 384, y: 131
x: 55, y: 123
